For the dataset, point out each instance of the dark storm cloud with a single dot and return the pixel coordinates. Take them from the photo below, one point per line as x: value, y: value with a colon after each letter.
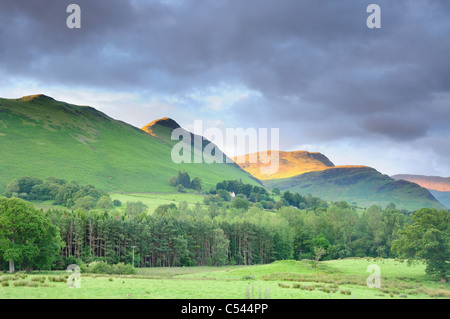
x: 314, y: 63
x: 395, y: 128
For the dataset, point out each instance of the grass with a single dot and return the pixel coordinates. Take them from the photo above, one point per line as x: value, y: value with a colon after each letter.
x: 337, y: 279
x: 154, y: 200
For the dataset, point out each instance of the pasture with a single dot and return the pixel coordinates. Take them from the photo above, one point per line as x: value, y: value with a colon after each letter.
x: 336, y: 279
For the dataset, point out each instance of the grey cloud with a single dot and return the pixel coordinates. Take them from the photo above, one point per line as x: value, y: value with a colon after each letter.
x: 398, y: 129
x: 321, y: 73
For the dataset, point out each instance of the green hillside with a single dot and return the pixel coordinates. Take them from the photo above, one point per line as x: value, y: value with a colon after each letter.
x: 442, y: 197
x: 363, y: 185
x: 42, y: 137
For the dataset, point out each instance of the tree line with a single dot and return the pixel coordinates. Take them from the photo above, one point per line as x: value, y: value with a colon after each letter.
x: 72, y: 195
x: 222, y: 233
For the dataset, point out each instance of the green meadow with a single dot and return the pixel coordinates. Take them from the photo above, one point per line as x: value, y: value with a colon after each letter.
x: 152, y: 200
x: 337, y: 279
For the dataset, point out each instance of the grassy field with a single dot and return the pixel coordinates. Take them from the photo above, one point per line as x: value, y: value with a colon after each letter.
x: 154, y: 200
x: 337, y: 279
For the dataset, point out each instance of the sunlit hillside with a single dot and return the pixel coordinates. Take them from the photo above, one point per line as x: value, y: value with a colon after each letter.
x: 42, y: 137
x: 290, y: 163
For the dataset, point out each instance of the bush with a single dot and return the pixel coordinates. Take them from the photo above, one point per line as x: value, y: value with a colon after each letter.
x: 24, y: 283
x: 240, y: 203
x: 180, y: 189
x: 85, y: 203
x: 99, y: 267
x: 105, y: 202
x: 5, y: 283
x: 267, y: 204
x: 173, y: 181
x: 57, y: 278
x: 40, y: 279
x: 307, y: 287
x: 123, y: 269
x: 102, y: 267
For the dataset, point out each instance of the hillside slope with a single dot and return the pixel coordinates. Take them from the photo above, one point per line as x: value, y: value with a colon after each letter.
x: 437, y: 183
x: 442, y: 197
x: 42, y: 137
x: 438, y: 186
x: 290, y: 164
x: 363, y: 185
x: 163, y: 128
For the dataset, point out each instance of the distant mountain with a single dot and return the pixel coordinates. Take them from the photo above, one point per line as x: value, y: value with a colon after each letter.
x: 363, y: 185
x: 438, y: 186
x: 42, y: 137
x: 437, y: 183
x: 442, y: 197
x: 290, y: 164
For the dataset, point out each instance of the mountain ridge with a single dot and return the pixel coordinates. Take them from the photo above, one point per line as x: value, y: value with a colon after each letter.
x: 361, y: 184
x: 81, y: 143
x: 291, y: 163
x: 437, y: 183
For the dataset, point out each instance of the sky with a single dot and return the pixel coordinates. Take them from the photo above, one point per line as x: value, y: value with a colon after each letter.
x: 313, y: 69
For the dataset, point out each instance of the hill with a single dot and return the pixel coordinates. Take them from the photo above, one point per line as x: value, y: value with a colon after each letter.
x: 291, y: 164
x: 363, y: 185
x: 42, y: 137
x: 438, y: 186
x: 442, y: 197
x: 437, y: 183
x: 163, y: 128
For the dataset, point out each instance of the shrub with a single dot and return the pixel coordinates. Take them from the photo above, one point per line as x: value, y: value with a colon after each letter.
x: 40, y: 279
x: 5, y: 283
x: 105, y: 202
x: 123, y: 269
x: 173, y: 181
x: 57, y: 278
x: 439, y: 293
x: 102, y: 267
x: 99, y: 267
x: 307, y: 287
x: 180, y: 189
x: 19, y: 283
